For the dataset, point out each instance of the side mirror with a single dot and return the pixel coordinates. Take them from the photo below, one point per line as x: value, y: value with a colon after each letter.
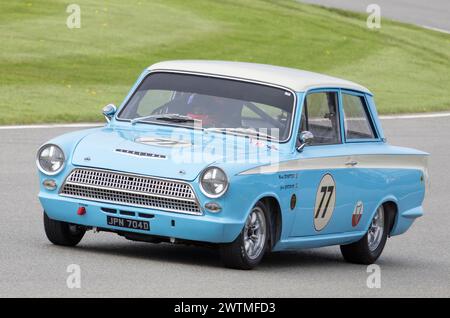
x: 108, y: 111
x: 306, y: 138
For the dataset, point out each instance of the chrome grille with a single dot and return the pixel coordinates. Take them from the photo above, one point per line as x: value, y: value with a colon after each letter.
x: 129, y: 189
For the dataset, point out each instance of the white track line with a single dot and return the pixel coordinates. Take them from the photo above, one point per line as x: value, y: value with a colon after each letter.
x: 44, y: 126
x: 416, y: 116
x: 88, y: 125
x: 435, y: 29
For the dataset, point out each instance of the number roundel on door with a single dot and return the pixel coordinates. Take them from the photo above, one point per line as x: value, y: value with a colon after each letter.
x: 325, y: 202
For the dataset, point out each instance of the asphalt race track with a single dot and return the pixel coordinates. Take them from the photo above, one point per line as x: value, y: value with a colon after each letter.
x: 414, y: 264
x: 431, y: 14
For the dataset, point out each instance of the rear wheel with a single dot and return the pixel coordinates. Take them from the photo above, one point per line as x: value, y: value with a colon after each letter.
x: 62, y: 233
x: 249, y: 247
x: 369, y: 247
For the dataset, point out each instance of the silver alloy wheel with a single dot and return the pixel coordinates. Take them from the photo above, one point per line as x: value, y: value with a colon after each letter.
x: 376, y: 229
x: 255, y: 233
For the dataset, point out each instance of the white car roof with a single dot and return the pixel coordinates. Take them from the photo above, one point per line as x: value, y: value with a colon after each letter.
x: 296, y: 80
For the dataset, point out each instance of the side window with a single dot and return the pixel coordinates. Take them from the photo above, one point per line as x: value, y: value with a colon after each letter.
x: 357, y: 121
x: 320, y: 117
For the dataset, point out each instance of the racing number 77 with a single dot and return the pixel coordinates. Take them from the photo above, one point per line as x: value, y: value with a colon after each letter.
x: 324, y: 190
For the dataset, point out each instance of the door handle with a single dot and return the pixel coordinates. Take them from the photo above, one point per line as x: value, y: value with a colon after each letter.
x: 351, y: 163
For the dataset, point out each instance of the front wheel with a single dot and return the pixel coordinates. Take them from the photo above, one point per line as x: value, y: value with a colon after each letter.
x: 62, y: 233
x: 369, y: 247
x: 248, y: 249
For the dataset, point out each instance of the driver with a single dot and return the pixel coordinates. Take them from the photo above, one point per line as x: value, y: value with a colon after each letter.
x: 214, y: 111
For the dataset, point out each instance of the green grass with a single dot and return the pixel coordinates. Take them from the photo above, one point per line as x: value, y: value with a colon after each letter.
x: 49, y: 73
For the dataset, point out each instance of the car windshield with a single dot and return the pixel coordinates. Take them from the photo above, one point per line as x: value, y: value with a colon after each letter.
x: 215, y: 104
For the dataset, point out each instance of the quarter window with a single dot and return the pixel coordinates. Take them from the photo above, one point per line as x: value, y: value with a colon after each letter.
x: 320, y: 117
x: 357, y: 120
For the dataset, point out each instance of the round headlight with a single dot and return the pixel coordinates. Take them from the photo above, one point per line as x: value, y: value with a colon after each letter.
x: 213, y: 182
x: 50, y: 159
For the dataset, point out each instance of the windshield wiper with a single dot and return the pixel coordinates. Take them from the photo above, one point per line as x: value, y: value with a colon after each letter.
x: 245, y: 131
x: 176, y: 118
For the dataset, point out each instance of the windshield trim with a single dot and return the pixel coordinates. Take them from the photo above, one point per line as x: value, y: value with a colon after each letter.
x: 238, y: 79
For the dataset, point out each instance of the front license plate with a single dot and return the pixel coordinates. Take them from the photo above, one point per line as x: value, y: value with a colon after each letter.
x: 127, y: 223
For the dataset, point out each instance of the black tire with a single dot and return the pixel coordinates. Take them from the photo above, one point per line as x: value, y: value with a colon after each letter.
x: 62, y: 233
x: 234, y: 255
x: 359, y: 252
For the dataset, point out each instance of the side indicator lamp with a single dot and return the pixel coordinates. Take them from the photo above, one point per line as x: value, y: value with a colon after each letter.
x: 49, y: 184
x: 213, y: 207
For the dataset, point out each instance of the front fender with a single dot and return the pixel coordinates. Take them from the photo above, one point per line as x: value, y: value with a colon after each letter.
x: 68, y: 143
x: 246, y: 190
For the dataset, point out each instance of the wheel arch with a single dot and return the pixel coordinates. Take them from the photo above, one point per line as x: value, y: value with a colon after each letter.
x: 276, y: 221
x: 390, y: 204
x: 392, y: 211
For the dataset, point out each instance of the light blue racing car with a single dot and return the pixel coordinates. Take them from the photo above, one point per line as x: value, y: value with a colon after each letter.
x: 247, y: 158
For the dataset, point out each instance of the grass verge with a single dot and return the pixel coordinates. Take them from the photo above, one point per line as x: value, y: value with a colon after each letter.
x: 49, y: 73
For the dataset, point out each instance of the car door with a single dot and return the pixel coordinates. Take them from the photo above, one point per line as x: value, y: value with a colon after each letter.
x: 363, y: 143
x: 327, y: 184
